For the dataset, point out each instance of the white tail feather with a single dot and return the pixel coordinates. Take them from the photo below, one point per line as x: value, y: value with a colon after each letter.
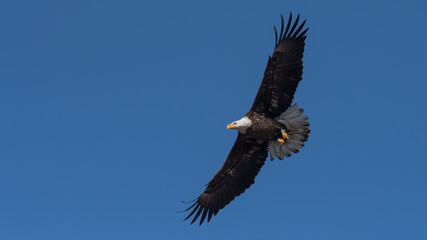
x: 297, y: 130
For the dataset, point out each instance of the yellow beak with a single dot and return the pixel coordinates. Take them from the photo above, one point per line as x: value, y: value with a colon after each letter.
x: 231, y: 126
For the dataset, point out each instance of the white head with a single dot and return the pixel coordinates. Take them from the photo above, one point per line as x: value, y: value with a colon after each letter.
x: 240, y: 125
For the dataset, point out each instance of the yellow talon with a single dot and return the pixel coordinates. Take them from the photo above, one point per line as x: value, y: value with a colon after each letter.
x: 285, y: 135
x: 281, y: 141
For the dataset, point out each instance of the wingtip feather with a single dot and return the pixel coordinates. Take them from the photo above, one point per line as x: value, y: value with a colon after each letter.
x: 293, y: 27
x: 205, y: 211
x: 289, y: 23
x: 197, y: 214
x: 210, y: 215
x: 192, y: 212
x: 298, y: 30
x: 282, y: 25
x: 275, y: 34
x: 188, y: 208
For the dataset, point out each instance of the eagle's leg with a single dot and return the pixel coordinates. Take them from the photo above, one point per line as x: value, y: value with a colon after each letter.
x: 285, y: 135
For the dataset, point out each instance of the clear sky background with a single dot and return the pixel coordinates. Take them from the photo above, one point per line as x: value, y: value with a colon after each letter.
x: 114, y: 111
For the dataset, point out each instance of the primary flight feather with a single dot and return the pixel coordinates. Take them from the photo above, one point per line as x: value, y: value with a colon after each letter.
x: 272, y: 125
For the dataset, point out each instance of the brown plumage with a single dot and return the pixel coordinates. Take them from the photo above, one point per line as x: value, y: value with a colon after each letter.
x: 250, y: 150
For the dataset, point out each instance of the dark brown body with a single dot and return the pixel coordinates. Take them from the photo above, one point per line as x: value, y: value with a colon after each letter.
x: 264, y: 128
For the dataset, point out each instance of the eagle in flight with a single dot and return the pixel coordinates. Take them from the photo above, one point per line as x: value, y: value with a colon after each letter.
x: 271, y: 125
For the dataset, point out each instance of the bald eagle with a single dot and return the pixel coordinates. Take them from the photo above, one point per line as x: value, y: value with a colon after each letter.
x: 271, y: 125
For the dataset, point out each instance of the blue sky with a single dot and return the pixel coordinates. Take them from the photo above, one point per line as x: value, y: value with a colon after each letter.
x: 114, y: 111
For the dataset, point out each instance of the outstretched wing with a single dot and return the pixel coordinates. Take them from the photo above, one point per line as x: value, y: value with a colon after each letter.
x: 236, y: 175
x: 283, y: 71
